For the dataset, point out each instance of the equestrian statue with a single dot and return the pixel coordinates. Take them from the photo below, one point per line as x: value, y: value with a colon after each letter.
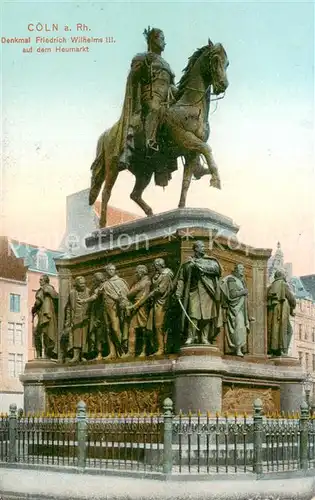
x: 161, y: 122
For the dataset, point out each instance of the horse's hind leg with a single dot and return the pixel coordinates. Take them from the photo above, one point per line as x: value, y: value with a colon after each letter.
x: 111, y: 176
x: 141, y: 183
x: 187, y: 175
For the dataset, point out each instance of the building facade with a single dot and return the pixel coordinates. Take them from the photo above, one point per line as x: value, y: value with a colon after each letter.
x: 303, y: 342
x: 21, y: 265
x: 82, y: 219
x: 13, y: 325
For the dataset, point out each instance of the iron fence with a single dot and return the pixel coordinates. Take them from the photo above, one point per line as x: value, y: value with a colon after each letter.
x: 311, y: 443
x: 125, y: 442
x: 281, y: 444
x: 212, y: 444
x: 163, y: 443
x: 46, y: 440
x: 4, y: 438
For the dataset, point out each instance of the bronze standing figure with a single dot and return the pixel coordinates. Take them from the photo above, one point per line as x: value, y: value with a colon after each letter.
x: 198, y: 292
x: 161, y: 289
x: 113, y: 293
x: 77, y: 319
x: 46, y: 330
x: 139, y: 310
x: 97, y: 323
x: 280, y: 306
x: 235, y: 308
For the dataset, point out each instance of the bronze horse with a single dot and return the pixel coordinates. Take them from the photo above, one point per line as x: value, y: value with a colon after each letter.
x: 184, y: 131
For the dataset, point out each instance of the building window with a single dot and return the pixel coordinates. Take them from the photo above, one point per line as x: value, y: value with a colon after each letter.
x: 15, y: 303
x: 11, y: 333
x: 300, y: 357
x: 19, y: 364
x: 313, y: 362
x: 15, y: 333
x: 300, y: 331
x: 305, y: 334
x: 307, y: 359
x: 11, y: 363
x: 313, y: 334
x: 18, y: 340
x: 15, y: 362
x: 42, y: 260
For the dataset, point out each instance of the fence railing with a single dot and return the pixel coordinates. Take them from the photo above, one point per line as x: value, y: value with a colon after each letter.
x: 164, y: 443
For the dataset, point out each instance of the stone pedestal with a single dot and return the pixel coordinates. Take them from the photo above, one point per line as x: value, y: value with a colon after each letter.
x: 292, y: 395
x: 171, y: 235
x: 198, y: 379
x: 34, y: 397
x: 200, y: 392
x: 195, y: 377
x: 202, y: 382
x: 34, y: 391
x: 106, y: 388
x: 291, y: 392
x: 200, y: 350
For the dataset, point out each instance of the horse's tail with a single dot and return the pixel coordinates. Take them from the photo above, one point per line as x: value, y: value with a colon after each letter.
x: 97, y: 170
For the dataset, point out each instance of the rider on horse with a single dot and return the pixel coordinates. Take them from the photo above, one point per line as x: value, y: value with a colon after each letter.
x: 153, y: 121
x: 150, y: 87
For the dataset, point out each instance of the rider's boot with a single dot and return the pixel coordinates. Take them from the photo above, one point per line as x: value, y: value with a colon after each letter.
x: 152, y: 147
x: 150, y: 127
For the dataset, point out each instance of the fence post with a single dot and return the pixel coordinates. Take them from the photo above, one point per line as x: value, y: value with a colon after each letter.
x: 168, y: 432
x: 81, y: 433
x: 304, y: 417
x: 258, y: 427
x: 12, y: 432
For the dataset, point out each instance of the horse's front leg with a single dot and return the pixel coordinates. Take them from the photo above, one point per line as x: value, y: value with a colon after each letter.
x: 190, y: 162
x: 190, y: 142
x: 141, y: 183
x: 213, y: 169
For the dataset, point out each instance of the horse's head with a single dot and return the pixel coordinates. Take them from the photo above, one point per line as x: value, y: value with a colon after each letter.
x: 210, y: 62
x: 214, y: 65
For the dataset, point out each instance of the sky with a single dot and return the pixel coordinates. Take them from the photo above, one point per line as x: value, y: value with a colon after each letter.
x: 55, y: 106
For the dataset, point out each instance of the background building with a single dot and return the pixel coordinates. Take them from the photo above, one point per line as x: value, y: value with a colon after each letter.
x: 82, y: 219
x: 13, y: 325
x: 276, y: 262
x: 303, y: 323
x: 309, y: 284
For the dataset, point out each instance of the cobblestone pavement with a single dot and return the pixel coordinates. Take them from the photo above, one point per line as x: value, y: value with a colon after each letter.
x: 129, y: 465
x: 40, y: 484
